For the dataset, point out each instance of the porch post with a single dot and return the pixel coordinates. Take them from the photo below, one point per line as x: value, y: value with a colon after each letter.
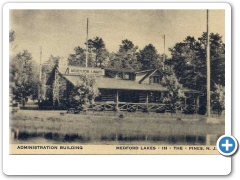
x: 161, y: 95
x: 185, y: 101
x: 197, y: 103
x: 147, y: 100
x: 117, y: 99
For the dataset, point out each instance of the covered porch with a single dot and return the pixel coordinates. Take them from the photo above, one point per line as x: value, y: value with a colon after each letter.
x: 127, y: 95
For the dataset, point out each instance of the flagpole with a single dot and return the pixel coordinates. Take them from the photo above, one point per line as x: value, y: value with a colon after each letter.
x: 40, y: 74
x: 208, y: 70
x: 40, y: 71
x: 87, y: 46
x: 164, y: 52
x: 164, y: 43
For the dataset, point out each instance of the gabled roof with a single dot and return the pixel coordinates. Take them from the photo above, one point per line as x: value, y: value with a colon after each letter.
x: 111, y: 83
x: 149, y: 74
x: 51, y: 76
x: 61, y: 72
x: 120, y: 84
x: 187, y: 90
x: 127, y: 70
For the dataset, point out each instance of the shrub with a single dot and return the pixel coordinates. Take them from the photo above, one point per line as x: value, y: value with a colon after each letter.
x: 202, y: 110
x: 189, y: 109
x: 121, y: 116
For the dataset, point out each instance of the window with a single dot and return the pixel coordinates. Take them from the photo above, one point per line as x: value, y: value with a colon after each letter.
x: 119, y: 76
x: 126, y: 76
x: 132, y: 76
x: 155, y: 79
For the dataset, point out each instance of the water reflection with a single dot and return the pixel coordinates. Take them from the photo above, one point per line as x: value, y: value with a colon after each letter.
x: 56, y: 137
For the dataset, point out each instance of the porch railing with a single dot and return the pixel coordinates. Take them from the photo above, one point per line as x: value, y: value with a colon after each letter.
x: 132, y: 107
x: 124, y: 106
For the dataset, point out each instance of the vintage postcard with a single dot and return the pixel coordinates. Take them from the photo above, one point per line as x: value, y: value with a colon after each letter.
x: 88, y: 79
x: 133, y: 81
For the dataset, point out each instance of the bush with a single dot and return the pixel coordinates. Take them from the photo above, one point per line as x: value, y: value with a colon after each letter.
x: 131, y: 110
x: 170, y: 107
x: 189, y: 109
x: 202, y: 110
x: 145, y: 110
x: 217, y: 107
x: 121, y: 116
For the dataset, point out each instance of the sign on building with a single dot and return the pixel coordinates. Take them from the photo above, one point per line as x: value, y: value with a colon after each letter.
x: 85, y: 70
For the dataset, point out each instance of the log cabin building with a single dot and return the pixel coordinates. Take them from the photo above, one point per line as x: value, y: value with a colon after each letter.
x: 122, y: 88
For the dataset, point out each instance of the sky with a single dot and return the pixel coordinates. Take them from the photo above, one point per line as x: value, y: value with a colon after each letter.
x: 58, y: 32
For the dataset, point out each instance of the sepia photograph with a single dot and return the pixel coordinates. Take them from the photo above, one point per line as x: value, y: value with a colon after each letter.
x: 116, y: 81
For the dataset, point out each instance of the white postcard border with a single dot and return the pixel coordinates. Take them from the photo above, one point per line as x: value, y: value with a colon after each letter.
x: 113, y: 164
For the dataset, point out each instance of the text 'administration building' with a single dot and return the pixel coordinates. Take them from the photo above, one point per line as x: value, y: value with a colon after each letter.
x: 119, y: 87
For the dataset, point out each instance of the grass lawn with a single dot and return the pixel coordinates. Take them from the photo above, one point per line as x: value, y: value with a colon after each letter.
x: 109, y: 125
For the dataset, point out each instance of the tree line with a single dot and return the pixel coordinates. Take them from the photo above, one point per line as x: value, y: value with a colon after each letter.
x: 127, y: 57
x: 23, y: 74
x: 187, y: 62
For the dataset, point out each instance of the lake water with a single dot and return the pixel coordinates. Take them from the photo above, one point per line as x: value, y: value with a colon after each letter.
x: 22, y: 136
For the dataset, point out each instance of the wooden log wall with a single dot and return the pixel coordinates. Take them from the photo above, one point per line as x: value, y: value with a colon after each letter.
x: 56, y: 88
x: 59, y: 89
x: 142, y: 97
x: 107, y: 95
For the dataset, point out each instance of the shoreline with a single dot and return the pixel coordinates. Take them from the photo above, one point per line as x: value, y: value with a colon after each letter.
x: 95, y: 129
